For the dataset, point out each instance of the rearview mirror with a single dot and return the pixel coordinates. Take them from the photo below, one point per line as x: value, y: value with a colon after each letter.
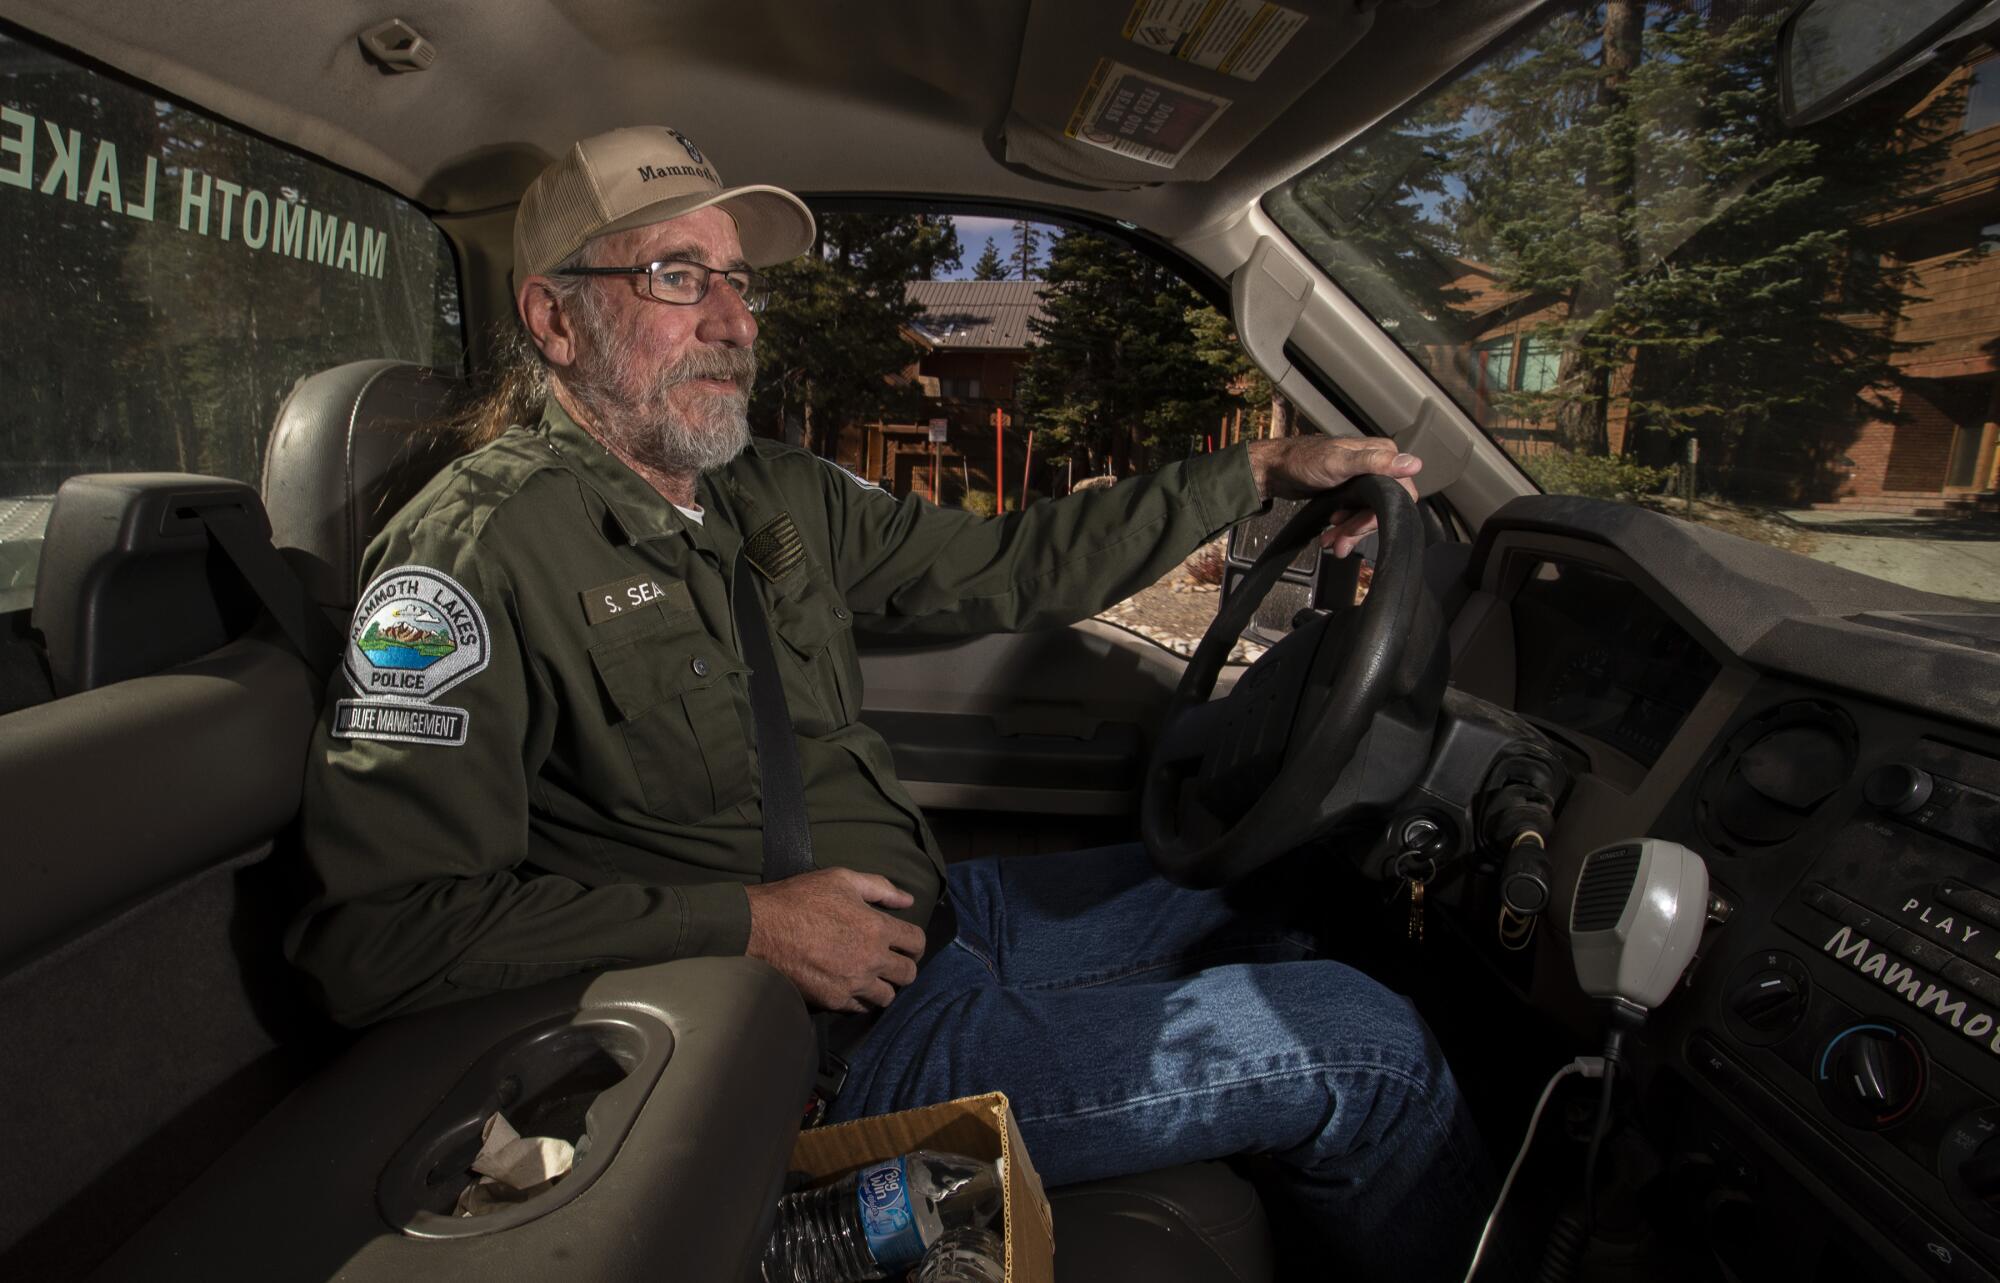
x: 1836, y: 52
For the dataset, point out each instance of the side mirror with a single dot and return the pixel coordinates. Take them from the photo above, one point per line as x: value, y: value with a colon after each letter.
x: 1834, y: 53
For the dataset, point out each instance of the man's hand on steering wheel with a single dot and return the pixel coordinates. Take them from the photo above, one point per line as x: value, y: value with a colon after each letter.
x: 1301, y: 467
x: 1331, y: 723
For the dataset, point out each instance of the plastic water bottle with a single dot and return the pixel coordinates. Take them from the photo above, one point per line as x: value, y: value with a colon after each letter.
x: 879, y: 1221
x: 967, y: 1255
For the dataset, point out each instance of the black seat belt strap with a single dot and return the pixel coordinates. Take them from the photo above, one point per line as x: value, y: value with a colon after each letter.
x: 282, y: 593
x: 787, y: 834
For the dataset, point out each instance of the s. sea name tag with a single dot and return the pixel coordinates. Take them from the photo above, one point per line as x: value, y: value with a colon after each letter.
x: 608, y: 601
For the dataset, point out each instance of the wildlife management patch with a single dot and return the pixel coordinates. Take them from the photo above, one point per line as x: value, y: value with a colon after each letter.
x: 416, y: 634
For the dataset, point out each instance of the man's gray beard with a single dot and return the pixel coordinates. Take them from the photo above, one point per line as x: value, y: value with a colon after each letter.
x: 641, y: 425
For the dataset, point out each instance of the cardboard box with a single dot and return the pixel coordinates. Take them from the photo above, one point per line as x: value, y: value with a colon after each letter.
x: 977, y: 1126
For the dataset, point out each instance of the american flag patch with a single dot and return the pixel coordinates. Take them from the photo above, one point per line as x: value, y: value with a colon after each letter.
x: 776, y: 548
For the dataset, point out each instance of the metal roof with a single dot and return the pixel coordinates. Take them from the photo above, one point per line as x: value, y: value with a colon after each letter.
x: 977, y: 314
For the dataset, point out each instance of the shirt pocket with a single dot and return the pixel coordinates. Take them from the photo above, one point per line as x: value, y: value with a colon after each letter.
x: 818, y: 629
x: 675, y: 695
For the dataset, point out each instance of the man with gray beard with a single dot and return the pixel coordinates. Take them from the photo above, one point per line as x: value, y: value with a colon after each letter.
x: 542, y: 754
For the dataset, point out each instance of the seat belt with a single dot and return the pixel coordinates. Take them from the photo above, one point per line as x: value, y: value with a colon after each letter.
x: 787, y: 834
x: 281, y: 592
x: 788, y: 847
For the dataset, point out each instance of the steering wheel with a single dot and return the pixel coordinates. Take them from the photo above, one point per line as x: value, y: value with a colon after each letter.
x: 1320, y: 730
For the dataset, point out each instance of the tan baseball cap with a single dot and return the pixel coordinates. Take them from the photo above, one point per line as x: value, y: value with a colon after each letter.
x: 646, y: 174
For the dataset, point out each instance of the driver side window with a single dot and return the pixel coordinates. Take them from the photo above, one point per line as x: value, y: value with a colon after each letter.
x: 987, y: 363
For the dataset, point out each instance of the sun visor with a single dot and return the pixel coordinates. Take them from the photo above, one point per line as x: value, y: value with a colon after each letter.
x: 1134, y: 93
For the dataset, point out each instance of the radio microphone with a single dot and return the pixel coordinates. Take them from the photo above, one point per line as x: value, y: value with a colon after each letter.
x: 1636, y: 919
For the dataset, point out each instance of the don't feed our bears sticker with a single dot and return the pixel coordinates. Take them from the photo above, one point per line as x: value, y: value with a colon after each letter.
x: 416, y: 633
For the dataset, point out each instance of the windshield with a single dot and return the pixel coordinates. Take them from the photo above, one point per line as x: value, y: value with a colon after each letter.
x: 1604, y: 244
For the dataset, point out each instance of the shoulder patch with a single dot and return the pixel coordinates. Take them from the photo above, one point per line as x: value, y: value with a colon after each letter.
x: 416, y: 633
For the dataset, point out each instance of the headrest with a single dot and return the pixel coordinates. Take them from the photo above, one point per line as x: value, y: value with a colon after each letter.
x: 350, y: 447
x: 132, y: 583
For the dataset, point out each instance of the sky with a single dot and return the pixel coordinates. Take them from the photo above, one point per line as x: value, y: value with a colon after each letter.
x: 972, y: 234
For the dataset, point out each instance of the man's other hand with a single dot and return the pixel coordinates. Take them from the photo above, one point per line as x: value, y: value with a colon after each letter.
x: 1301, y: 467
x: 822, y: 930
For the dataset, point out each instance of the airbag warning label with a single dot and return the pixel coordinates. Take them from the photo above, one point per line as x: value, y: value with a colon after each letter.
x: 1235, y: 37
x: 1142, y: 116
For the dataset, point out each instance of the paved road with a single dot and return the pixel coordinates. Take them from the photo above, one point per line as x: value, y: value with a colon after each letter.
x: 1956, y: 556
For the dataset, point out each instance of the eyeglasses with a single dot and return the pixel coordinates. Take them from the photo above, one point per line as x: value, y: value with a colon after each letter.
x: 683, y: 283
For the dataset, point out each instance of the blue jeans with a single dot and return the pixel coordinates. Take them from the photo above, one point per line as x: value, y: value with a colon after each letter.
x: 1135, y: 1025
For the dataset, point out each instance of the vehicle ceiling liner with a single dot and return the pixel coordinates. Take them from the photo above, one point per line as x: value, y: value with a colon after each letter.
x: 893, y: 96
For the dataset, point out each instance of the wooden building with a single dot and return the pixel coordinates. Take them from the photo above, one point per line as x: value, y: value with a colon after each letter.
x: 970, y: 341
x: 1942, y: 456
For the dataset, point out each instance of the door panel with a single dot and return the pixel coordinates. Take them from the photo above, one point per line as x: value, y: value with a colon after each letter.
x: 1054, y: 722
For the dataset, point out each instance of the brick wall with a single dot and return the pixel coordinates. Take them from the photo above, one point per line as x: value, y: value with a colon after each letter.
x: 1922, y: 450
x: 1870, y: 455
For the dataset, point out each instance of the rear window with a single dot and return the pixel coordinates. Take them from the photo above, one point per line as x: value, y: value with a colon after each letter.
x: 167, y: 278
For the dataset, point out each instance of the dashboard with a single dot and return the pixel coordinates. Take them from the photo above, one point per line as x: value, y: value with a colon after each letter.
x: 1597, y: 657
x: 1830, y: 744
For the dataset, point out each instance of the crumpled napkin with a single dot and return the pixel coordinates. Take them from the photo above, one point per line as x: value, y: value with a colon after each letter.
x: 512, y: 1168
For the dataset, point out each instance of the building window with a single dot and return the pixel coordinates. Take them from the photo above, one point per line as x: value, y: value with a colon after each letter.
x: 1540, y: 360
x: 1982, y: 96
x: 1496, y: 362
x: 962, y: 389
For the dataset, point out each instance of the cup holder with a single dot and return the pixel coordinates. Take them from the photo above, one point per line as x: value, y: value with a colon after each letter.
x: 581, y: 1078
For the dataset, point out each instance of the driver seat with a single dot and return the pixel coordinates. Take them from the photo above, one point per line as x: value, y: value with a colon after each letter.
x: 351, y: 445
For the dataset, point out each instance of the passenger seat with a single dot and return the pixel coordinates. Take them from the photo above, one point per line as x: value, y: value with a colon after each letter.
x: 149, y: 1018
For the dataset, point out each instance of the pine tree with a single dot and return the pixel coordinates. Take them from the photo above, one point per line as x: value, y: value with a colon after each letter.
x: 834, y: 336
x: 1705, y: 270
x: 989, y: 267
x: 1027, y: 249
x: 1116, y: 368
x: 1243, y: 386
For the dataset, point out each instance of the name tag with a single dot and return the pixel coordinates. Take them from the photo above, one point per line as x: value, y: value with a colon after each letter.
x: 608, y: 601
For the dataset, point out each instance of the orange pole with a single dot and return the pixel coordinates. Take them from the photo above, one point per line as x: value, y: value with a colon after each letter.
x: 934, y: 472
x: 999, y: 461
x: 1026, y: 464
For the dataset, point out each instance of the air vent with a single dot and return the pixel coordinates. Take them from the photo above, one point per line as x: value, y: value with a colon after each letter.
x: 1604, y: 888
x: 1773, y: 774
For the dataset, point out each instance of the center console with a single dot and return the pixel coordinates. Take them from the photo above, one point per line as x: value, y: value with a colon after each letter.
x: 678, y: 1085
x: 1852, y: 1015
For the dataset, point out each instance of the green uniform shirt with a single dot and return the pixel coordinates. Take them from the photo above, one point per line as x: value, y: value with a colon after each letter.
x: 538, y: 756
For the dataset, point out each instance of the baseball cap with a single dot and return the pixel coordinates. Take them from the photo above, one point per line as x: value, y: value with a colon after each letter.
x: 640, y: 175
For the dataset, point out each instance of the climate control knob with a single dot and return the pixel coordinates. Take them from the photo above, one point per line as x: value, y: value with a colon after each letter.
x: 1898, y: 788
x: 1767, y: 996
x: 1980, y: 1173
x: 1969, y: 1162
x: 1871, y: 1075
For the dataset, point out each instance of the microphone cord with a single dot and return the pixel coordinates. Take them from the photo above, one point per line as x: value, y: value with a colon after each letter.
x: 1589, y: 1067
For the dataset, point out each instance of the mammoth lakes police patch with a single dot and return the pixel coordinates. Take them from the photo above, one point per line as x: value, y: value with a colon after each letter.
x: 416, y: 634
